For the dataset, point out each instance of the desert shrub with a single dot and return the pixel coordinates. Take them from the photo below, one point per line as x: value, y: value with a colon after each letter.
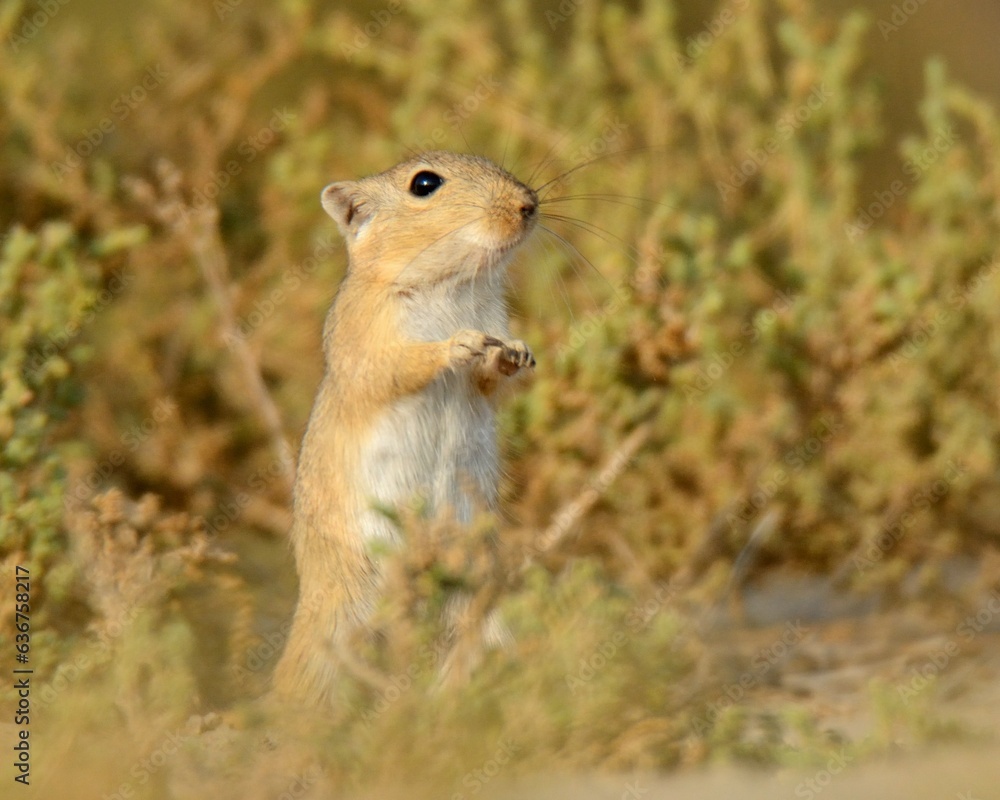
x: 51, y: 286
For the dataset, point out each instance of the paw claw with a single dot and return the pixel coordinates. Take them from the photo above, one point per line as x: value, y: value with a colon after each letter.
x: 514, y: 356
x: 468, y: 346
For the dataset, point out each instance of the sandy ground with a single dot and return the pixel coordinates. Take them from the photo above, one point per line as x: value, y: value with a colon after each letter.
x: 936, y: 667
x: 945, y: 775
x: 825, y: 651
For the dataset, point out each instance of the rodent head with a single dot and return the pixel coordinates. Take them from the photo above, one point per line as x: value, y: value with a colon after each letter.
x: 439, y: 216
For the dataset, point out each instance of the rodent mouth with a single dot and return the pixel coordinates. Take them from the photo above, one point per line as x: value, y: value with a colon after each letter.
x: 516, y: 240
x: 529, y: 208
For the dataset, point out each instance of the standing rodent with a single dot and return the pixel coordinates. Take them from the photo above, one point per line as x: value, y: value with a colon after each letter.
x: 416, y: 346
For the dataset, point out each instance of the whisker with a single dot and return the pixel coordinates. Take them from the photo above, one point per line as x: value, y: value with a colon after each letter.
x: 468, y: 147
x: 564, y: 290
x: 575, y: 254
x: 413, y: 152
x: 630, y: 252
x: 611, y: 198
x: 594, y: 160
x: 506, y: 144
x: 586, y: 260
x: 547, y: 158
x: 595, y: 230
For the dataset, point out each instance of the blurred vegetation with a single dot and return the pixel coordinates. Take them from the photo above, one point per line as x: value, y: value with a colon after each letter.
x: 813, y: 360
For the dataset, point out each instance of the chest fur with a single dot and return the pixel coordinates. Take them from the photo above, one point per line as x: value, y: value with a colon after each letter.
x: 437, y: 448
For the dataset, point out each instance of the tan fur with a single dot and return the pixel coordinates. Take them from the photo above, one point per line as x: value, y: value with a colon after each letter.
x: 416, y: 345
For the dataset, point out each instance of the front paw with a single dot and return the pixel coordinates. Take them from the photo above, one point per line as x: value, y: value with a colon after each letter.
x: 513, y: 356
x: 467, y: 346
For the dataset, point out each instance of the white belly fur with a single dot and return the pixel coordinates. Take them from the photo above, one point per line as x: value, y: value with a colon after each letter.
x: 437, y: 448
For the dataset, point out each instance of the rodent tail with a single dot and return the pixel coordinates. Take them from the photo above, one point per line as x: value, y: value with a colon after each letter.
x: 307, y: 670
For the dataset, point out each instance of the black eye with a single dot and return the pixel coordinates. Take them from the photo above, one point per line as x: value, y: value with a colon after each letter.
x: 425, y: 183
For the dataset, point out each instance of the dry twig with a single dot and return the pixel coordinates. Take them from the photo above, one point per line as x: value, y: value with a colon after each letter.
x: 198, y: 228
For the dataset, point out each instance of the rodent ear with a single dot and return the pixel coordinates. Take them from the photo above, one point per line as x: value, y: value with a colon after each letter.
x: 342, y: 202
